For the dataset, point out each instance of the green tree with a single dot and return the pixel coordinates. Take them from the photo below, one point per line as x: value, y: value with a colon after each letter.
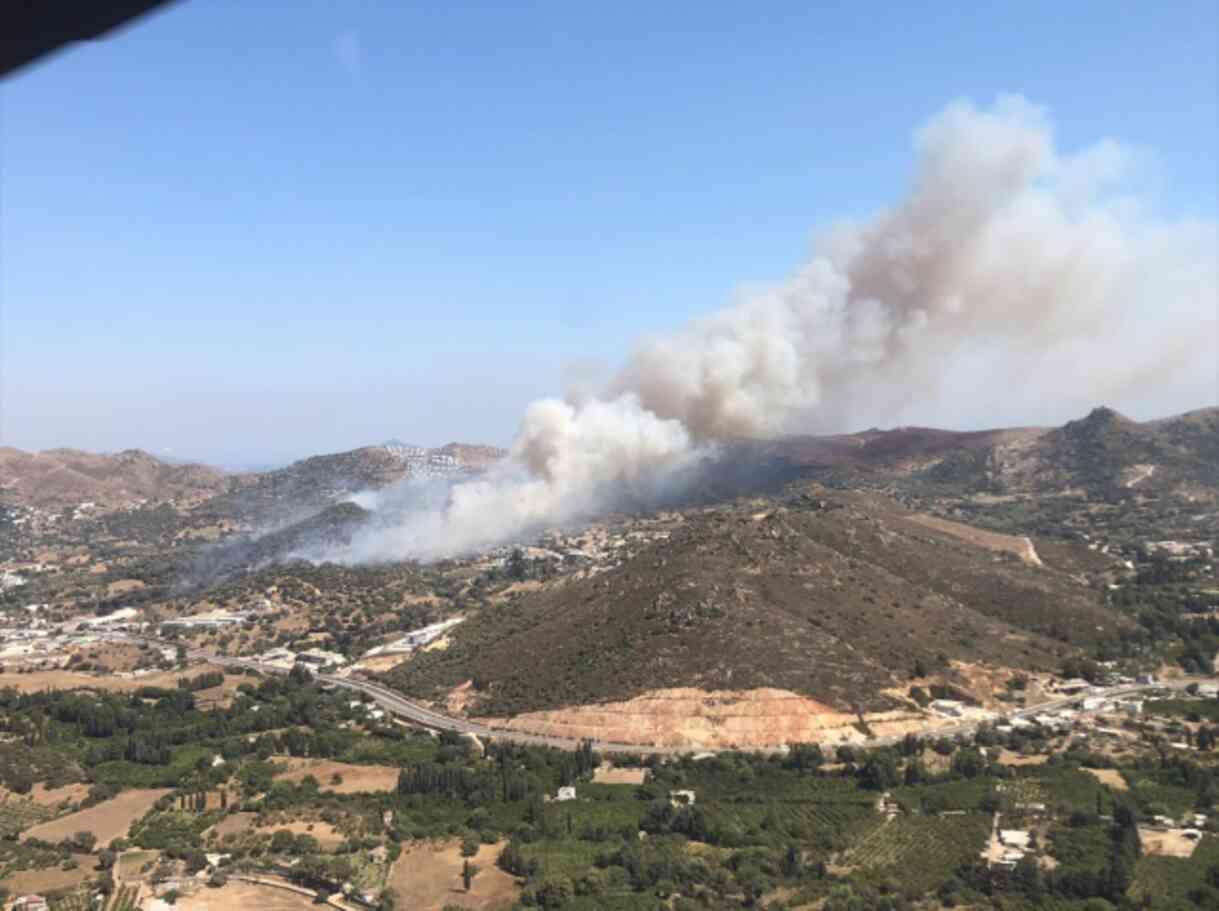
x: 468, y: 872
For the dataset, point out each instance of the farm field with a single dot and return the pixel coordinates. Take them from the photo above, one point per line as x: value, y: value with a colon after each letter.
x: 244, y: 896
x: 38, y: 681
x: 233, y: 824
x: 356, y: 779
x: 1171, y: 879
x: 108, y: 820
x: 327, y: 835
x: 607, y: 774
x: 51, y: 879
x: 427, y: 877
x: 919, y: 851
x: 131, y: 863
x: 1169, y: 843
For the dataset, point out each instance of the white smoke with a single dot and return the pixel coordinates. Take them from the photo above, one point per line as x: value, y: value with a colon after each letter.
x: 1001, y: 244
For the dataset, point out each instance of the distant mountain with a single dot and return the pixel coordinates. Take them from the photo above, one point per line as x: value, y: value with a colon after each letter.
x: 67, y: 477
x: 1104, y: 455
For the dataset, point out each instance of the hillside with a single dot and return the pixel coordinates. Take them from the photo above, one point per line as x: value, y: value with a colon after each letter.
x: 309, y: 485
x: 837, y: 596
x: 68, y: 477
x: 331, y: 527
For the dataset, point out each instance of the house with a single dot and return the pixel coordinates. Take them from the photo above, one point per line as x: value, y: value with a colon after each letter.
x: 681, y: 798
x: 30, y: 903
x: 566, y: 794
x: 1015, y: 838
x: 1094, y: 703
x: 1010, y: 858
x: 1074, y: 685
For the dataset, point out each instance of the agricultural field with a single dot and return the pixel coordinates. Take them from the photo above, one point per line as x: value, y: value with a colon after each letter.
x: 339, y: 777
x: 124, y: 898
x: 108, y: 820
x: 919, y: 852
x: 1168, y: 881
x: 237, y: 895
x: 427, y: 877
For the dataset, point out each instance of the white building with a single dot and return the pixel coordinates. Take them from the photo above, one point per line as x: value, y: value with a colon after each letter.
x: 1015, y: 838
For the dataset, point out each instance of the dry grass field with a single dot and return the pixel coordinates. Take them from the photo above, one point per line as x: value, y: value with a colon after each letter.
x: 243, y: 896
x: 607, y: 774
x: 1112, y: 777
x: 108, y: 820
x: 427, y: 877
x: 40, y: 681
x: 355, y: 778
x: 39, y: 881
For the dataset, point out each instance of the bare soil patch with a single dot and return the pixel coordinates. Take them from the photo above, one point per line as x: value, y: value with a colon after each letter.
x: 1111, y: 777
x: 607, y: 774
x: 234, y: 824
x: 1008, y: 758
x: 108, y: 820
x: 243, y: 896
x: 380, y: 664
x: 356, y: 779
x: 1170, y: 843
x: 53, y: 797
x: 1019, y: 546
x: 123, y: 586
x: 327, y: 835
x: 39, y: 681
x: 697, y: 719
x: 427, y: 877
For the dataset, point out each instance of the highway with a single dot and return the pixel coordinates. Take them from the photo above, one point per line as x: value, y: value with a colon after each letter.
x: 397, y: 705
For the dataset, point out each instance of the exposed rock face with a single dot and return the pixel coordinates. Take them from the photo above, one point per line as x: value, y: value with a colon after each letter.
x: 701, y: 719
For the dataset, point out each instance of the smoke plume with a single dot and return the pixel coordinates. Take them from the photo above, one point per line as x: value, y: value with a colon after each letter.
x: 1001, y: 244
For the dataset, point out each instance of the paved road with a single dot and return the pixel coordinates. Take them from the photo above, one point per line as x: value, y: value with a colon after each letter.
x: 397, y: 705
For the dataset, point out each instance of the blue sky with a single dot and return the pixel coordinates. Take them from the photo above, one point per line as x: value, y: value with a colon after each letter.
x: 248, y: 232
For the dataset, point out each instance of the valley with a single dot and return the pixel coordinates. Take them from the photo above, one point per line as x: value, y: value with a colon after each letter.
x: 981, y: 657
